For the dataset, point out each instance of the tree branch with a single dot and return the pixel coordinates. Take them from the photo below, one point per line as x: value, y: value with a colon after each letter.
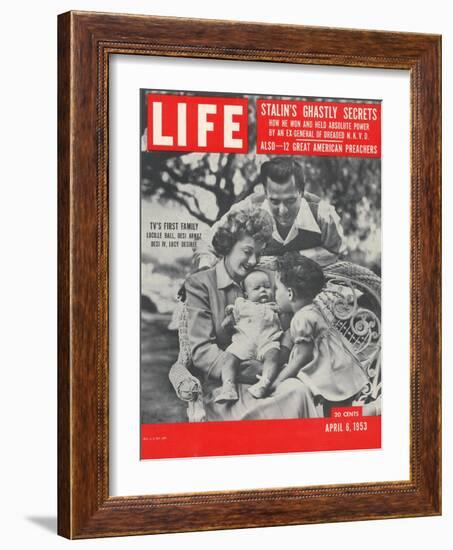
x: 190, y: 196
x: 248, y: 188
x: 199, y: 215
x: 185, y: 178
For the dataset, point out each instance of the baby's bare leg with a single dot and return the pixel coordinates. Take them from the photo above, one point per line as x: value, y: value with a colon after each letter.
x: 228, y: 391
x: 271, y: 364
x: 270, y: 371
x: 301, y: 355
x: 229, y: 372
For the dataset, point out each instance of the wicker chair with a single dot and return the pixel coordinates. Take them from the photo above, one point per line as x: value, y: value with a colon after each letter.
x: 350, y: 301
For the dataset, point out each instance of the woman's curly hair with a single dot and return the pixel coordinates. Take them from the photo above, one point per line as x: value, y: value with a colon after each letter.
x: 252, y: 221
x: 302, y: 274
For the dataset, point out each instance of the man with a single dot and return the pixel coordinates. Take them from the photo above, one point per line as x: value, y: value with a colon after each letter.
x: 302, y: 221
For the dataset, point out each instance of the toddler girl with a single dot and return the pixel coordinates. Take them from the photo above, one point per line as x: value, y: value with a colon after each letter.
x: 319, y: 357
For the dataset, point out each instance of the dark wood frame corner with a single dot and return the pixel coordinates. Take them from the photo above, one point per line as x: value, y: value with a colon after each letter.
x: 85, y: 41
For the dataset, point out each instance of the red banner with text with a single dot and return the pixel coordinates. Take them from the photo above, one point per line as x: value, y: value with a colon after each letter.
x: 314, y: 128
x: 345, y: 429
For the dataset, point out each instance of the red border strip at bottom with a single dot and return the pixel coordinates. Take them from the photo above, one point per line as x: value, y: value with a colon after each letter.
x: 346, y: 429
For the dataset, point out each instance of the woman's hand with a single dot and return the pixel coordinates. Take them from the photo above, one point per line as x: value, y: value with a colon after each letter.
x: 189, y: 389
x: 228, y: 323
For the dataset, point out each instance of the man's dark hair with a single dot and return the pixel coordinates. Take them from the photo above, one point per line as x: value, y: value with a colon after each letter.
x: 280, y: 170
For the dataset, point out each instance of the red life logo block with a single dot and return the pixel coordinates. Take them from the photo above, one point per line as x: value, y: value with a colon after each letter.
x: 197, y: 124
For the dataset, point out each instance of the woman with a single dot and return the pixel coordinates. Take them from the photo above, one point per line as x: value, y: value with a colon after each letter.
x: 239, y: 241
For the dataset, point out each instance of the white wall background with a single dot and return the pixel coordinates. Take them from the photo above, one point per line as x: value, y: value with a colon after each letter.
x: 28, y: 215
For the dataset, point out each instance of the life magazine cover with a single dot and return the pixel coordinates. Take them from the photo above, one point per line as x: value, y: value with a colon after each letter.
x: 260, y: 274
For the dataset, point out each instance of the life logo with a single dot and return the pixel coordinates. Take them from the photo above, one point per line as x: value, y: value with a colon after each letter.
x: 197, y: 123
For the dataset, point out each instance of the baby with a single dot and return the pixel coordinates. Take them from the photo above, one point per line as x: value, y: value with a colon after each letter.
x: 257, y: 335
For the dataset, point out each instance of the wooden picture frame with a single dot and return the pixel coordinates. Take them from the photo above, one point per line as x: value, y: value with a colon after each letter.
x: 85, y: 41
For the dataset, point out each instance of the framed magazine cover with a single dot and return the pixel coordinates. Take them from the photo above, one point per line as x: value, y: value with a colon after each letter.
x: 222, y: 191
